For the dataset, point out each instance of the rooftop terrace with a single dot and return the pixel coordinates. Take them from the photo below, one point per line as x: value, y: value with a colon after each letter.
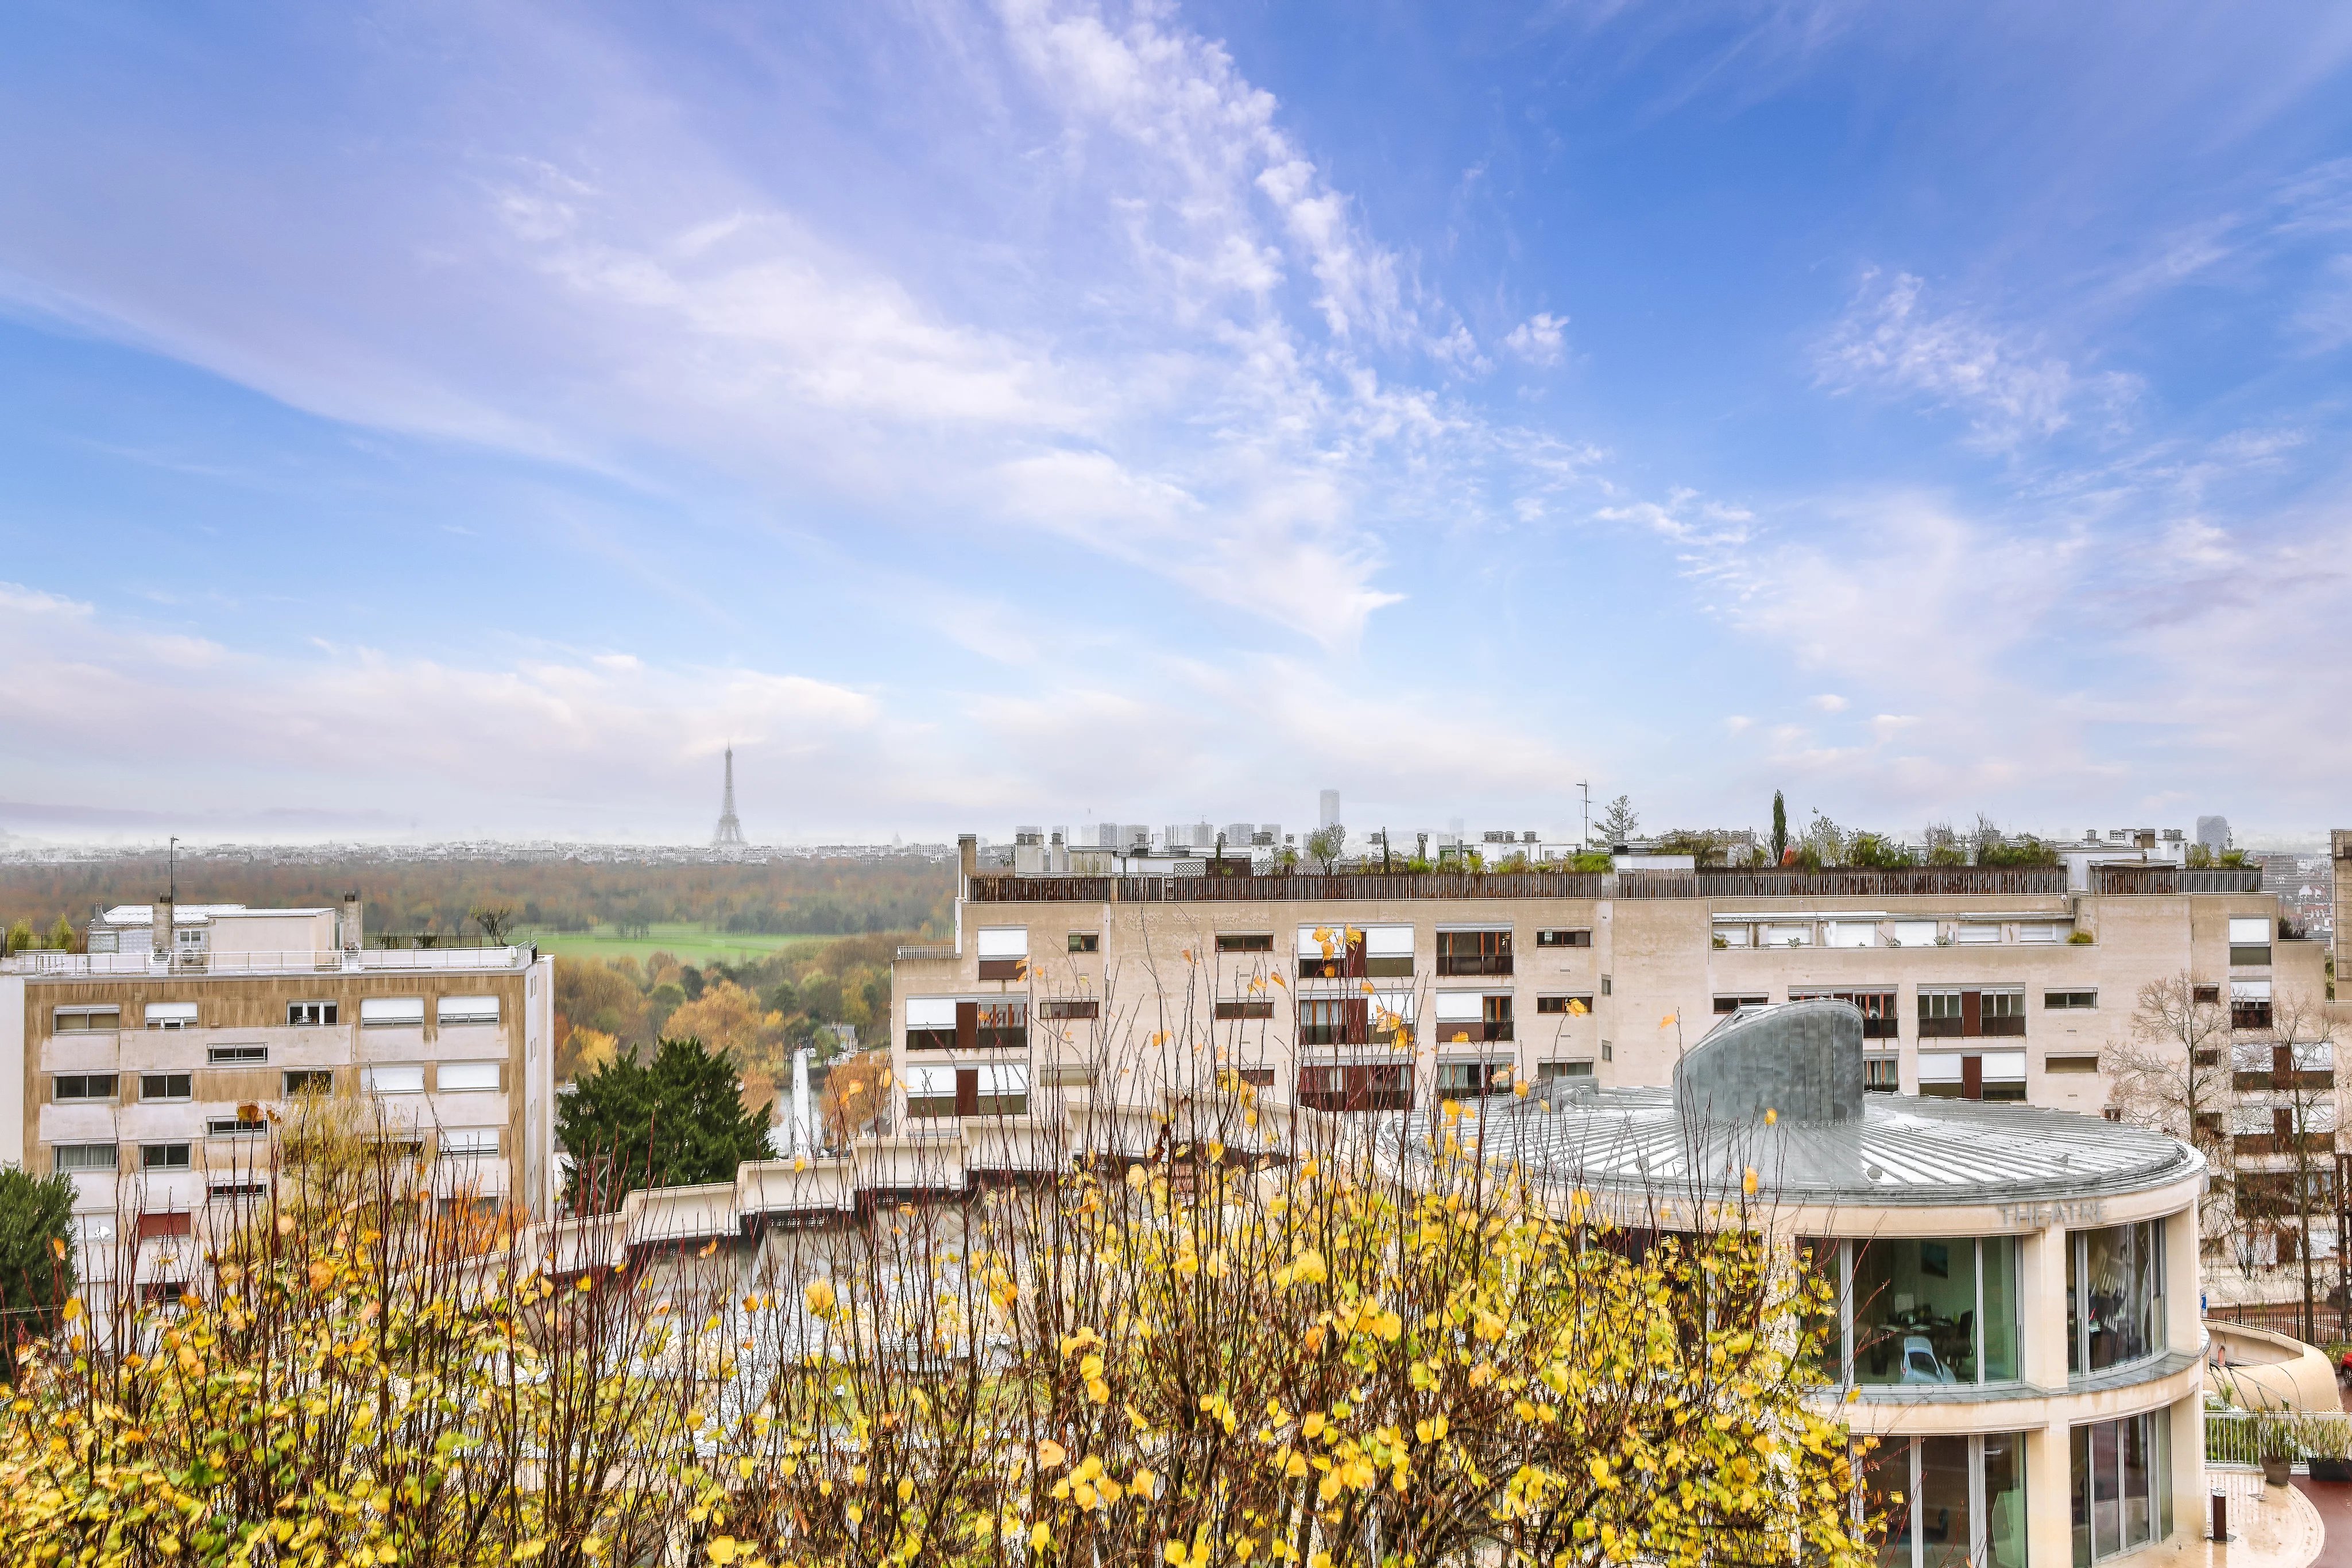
x: 1915, y: 882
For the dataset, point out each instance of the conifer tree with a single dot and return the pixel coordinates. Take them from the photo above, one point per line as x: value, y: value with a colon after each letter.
x: 674, y: 1122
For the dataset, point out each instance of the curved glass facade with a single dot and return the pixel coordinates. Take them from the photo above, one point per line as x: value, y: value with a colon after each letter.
x: 1926, y: 1312
x: 2115, y: 1296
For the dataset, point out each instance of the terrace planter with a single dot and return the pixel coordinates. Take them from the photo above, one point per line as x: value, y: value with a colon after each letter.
x: 2276, y: 1471
x: 2331, y: 1469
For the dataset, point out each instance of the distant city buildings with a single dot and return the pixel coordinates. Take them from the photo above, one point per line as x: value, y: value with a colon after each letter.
x: 2213, y: 832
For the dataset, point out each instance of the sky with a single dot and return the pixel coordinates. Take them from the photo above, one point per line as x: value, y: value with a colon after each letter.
x: 468, y: 420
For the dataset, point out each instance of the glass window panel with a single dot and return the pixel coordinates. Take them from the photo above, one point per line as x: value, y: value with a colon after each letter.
x: 2078, y: 1487
x: 2004, y: 1495
x: 1946, y: 1537
x: 2106, y: 1491
x: 2136, y: 1476
x: 1886, y: 1496
x: 1915, y: 1309
x: 1997, y: 1336
x: 2118, y: 1295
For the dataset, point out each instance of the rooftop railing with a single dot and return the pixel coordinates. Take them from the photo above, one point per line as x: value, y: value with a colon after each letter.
x: 2174, y: 879
x: 1905, y: 882
x: 298, y: 961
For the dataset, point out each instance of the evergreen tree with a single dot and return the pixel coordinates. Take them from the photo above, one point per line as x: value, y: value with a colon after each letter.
x: 1780, y: 827
x: 674, y: 1122
x: 37, y: 1248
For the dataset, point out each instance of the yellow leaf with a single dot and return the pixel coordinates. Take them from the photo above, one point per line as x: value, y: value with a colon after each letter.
x: 1668, y: 1022
x: 72, y: 1312
x: 1039, y: 1537
x: 819, y: 1297
x: 1050, y: 1454
x: 721, y: 1551
x: 1576, y: 1006
x: 528, y: 1549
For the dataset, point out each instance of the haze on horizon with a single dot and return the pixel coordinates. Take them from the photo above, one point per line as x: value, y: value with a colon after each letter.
x: 443, y: 422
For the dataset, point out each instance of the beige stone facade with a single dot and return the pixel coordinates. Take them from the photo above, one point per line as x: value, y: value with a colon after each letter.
x: 137, y: 1075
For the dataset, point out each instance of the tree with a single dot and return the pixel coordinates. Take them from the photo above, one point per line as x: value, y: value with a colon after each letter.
x: 1620, y: 822
x: 2175, y: 1075
x: 1780, y: 828
x: 493, y: 919
x: 1325, y: 844
x: 2296, y: 1055
x: 62, y: 936
x: 675, y: 1122
x: 37, y: 1248
x: 1877, y: 851
x: 20, y: 935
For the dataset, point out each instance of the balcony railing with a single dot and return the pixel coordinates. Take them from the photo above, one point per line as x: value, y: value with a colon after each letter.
x: 2174, y: 879
x: 297, y: 961
x: 1002, y: 889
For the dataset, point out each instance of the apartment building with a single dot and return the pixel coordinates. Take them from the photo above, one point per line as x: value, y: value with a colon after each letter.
x: 142, y: 1060
x: 1383, y: 992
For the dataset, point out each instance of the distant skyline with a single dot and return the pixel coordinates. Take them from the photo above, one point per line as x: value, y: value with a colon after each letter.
x: 437, y: 422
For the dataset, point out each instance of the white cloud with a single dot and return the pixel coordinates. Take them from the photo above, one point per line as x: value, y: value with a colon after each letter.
x: 1829, y: 702
x: 1537, y: 339
x: 2010, y: 389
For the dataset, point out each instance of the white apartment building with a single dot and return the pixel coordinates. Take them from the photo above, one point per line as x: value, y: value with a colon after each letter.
x: 141, y: 1062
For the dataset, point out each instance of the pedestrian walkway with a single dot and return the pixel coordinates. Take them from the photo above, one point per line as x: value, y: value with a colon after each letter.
x: 2270, y: 1527
x: 2333, y: 1503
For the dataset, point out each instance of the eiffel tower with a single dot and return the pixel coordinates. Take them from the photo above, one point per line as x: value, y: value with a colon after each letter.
x: 729, y: 835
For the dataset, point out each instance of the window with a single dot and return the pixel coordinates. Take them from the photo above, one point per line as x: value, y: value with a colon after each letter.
x: 235, y: 1127
x: 307, y: 1080
x: 1911, y: 934
x: 393, y: 1080
x: 1608, y: 1051
x: 1988, y: 1076
x: 930, y: 1023
x: 930, y: 1092
x: 2119, y: 1477
x: 1257, y: 1077
x: 1330, y: 953
x: 2249, y: 1004
x: 2205, y: 994
x: 167, y: 1085
x: 987, y: 1089
x: 1727, y: 1004
x: 2069, y: 1001
x: 1735, y: 934
x: 166, y: 1157
x: 165, y: 1226
x: 1883, y: 1074
x: 1333, y: 1020
x: 1928, y: 1313
x: 1547, y: 1070
x: 1087, y: 1009
x: 1852, y: 933
x: 1558, y: 938
x: 1939, y: 1014
x: 84, y: 1158
x: 1980, y: 933
x: 1252, y: 942
x: 1474, y: 952
x: 1473, y: 1017
x: 465, y: 1077
x: 468, y: 1143
x: 309, y: 1015
x: 1963, y: 1500
x: 170, y: 1015
x: 1245, y: 1010
x: 1091, y: 942
x: 1787, y: 933
x: 2003, y: 1011
x: 1879, y: 1018
x: 1573, y: 1007
x: 391, y: 1012
x: 2038, y: 931
x: 1367, y: 1086
x: 2086, y: 1061
x: 1473, y: 1080
x: 75, y: 1020
x: 447, y: 1010
x: 1388, y: 951
x: 1604, y: 984
x: 1001, y: 1026
x: 229, y: 1190
x: 2250, y: 941
x: 1004, y: 952
x: 236, y: 1056
x: 71, y: 1086
x: 2115, y: 1296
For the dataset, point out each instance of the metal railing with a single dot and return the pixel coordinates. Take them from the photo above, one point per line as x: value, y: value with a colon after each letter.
x: 2174, y: 879
x: 999, y: 889
x: 302, y: 960
x: 2235, y: 1440
x: 1901, y: 881
x: 2330, y: 1323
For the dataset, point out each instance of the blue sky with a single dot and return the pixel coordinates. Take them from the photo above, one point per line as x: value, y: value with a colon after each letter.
x: 457, y: 419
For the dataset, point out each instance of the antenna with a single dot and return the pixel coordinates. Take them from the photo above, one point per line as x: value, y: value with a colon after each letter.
x: 171, y: 871
x: 1584, y: 838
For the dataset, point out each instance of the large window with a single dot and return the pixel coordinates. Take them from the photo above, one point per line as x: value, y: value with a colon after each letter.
x: 1930, y: 1311
x: 2249, y: 1004
x: 1357, y: 1086
x: 1880, y: 1018
x: 1332, y: 1020
x: 1004, y: 952
x: 391, y: 1012
x: 84, y: 1158
x: 1473, y: 1080
x: 447, y: 1010
x: 2115, y: 1296
x: 1474, y: 952
x: 1473, y: 1017
x: 310, y: 1015
x: 1001, y: 1026
x: 170, y: 1015
x: 930, y: 1023
x: 2250, y: 941
x: 1972, y: 1075
x: 1949, y: 1501
x: 75, y: 1019
x: 1330, y: 953
x: 2120, y: 1478
x: 72, y: 1086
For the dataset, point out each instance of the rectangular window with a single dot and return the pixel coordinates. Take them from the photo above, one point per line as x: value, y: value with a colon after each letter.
x: 1961, y: 1501
x: 1729, y: 1004
x: 1883, y: 1073
x: 2249, y: 1004
x: 166, y: 1157
x: 1852, y: 933
x: 1735, y: 934
x: 1245, y: 942
x: 78, y: 1019
x: 84, y: 1158
x: 310, y: 1015
x: 71, y: 1086
x: 2038, y: 931
x: 1473, y: 1080
x: 1980, y: 933
x: 2120, y: 1485
x: 2250, y: 941
x: 1001, y: 1026
x: 1085, y: 942
x: 2083, y: 1062
x: 1357, y: 1087
x: 238, y: 1055
x: 1911, y: 934
x: 393, y: 1080
x: 1547, y: 1070
x: 232, y: 1188
x: 170, y: 1015
x: 1474, y: 952
x: 1571, y: 1007
x: 1245, y: 1010
x: 447, y: 1010
x: 1787, y: 934
x: 2210, y: 994
x: 930, y: 1023
x: 1577, y: 937
x: 1388, y: 951
x: 465, y: 1077
x: 235, y: 1127
x: 1934, y: 1312
x: 2003, y: 1012
x: 468, y: 1143
x: 2115, y: 1296
x: 1004, y: 952
x: 307, y: 1080
x: 1086, y: 1008
x: 1879, y: 1017
x: 930, y: 1092
x: 1940, y: 1015
x: 2069, y: 1001
x: 1333, y: 1020
x: 167, y: 1085
x: 391, y: 1012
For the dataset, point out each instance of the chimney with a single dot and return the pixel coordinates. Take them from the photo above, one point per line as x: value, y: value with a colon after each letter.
x: 968, y: 853
x: 161, y: 910
x: 349, y: 930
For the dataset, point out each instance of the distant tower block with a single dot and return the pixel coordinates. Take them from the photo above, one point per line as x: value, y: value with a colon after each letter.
x: 1330, y: 809
x: 729, y: 835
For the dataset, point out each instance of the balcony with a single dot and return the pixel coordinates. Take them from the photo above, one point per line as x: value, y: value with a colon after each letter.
x: 297, y: 961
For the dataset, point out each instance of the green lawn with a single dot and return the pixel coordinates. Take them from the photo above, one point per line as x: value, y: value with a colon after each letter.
x: 691, y: 944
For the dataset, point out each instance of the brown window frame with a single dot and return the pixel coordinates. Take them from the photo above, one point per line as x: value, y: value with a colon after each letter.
x: 1474, y: 953
x: 1558, y: 1005
x: 1564, y: 937
x: 1085, y: 941
x: 1068, y: 1009
x: 1245, y: 942
x: 1245, y: 1008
